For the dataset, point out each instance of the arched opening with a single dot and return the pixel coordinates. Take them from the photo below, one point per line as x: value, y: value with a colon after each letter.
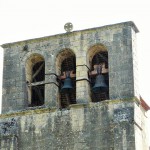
x: 99, y: 76
x: 66, y: 62
x: 35, y: 76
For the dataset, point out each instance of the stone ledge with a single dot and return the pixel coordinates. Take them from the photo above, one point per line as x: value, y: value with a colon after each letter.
x: 71, y: 107
x: 28, y: 112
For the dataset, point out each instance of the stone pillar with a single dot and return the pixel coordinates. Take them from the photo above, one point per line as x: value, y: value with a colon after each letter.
x: 51, y: 89
x: 82, y: 84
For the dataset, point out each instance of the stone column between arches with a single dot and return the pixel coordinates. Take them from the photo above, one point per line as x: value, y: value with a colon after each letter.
x: 82, y: 84
x: 51, y: 89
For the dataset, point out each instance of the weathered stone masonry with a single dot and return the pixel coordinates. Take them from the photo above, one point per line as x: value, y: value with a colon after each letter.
x: 102, y: 126
x: 113, y: 124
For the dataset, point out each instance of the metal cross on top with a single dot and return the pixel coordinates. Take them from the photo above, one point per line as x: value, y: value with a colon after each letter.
x: 68, y: 27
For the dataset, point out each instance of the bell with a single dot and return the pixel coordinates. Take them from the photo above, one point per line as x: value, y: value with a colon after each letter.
x: 67, y: 87
x: 100, y: 85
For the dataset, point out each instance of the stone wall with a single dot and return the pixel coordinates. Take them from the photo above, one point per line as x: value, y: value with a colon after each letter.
x: 108, y: 125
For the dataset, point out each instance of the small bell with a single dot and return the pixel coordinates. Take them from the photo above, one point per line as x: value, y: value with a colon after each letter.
x: 67, y: 87
x: 100, y: 85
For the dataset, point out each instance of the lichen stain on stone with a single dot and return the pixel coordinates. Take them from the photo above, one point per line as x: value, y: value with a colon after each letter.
x: 77, y: 119
x: 124, y: 140
x: 52, y: 121
x: 40, y: 122
x: 23, y: 124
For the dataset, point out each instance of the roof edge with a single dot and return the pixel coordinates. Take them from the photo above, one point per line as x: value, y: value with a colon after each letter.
x: 128, y: 23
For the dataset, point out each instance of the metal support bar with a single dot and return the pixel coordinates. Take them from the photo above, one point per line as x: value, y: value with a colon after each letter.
x: 85, y: 66
x: 137, y: 125
x: 52, y: 74
x: 83, y: 79
x: 52, y: 83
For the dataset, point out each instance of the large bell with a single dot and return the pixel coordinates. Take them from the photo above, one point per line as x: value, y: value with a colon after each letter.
x: 67, y: 87
x: 100, y: 85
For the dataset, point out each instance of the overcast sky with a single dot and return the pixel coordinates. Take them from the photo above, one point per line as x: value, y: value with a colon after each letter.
x: 27, y: 19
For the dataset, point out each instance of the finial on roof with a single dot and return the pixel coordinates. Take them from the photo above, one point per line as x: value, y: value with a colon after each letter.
x: 68, y: 26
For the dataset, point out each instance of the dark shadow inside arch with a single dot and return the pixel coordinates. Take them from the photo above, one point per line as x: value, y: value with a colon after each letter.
x: 38, y: 74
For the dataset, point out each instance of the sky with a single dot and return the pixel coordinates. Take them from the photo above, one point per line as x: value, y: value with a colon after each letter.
x: 27, y: 19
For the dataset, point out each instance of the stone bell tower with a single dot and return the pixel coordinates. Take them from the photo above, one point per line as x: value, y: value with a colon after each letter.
x: 74, y: 91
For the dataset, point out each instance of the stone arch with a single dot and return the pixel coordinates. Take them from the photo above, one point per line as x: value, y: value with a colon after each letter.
x: 30, y: 62
x: 61, y: 56
x: 35, y: 76
x: 24, y: 58
x: 97, y: 57
x: 94, y: 49
x: 66, y: 63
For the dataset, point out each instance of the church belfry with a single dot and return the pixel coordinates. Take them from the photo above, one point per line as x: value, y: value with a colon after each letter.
x: 74, y: 91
